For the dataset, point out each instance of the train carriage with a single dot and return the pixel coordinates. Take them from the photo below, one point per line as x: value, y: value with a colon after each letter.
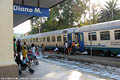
x: 103, y: 37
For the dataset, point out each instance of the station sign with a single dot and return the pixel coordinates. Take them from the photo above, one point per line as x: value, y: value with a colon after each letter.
x: 30, y: 10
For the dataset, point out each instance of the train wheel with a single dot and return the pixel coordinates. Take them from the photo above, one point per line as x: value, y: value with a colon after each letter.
x: 108, y: 53
x: 114, y: 55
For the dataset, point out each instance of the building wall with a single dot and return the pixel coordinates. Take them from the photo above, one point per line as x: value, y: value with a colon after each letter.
x: 7, y: 63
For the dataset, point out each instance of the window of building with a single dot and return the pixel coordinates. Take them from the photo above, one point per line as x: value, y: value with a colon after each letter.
x: 48, y: 39
x: 92, y: 36
x: 105, y: 35
x: 58, y: 38
x: 117, y: 34
x: 44, y: 39
x: 53, y: 38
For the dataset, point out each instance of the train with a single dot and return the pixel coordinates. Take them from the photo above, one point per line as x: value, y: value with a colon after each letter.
x: 101, y: 38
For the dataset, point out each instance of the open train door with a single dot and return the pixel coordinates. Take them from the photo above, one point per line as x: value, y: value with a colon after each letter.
x: 69, y: 38
x: 81, y: 41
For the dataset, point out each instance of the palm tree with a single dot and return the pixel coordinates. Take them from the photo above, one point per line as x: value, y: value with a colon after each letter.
x: 110, y: 12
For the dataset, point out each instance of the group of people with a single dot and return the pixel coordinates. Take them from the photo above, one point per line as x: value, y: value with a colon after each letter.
x: 70, y: 48
x: 21, y: 50
x: 21, y: 53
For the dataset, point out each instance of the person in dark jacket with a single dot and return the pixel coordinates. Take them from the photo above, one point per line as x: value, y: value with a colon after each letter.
x: 19, y: 49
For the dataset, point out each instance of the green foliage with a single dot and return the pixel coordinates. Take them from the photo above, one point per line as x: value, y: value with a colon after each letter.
x: 110, y: 12
x: 79, y: 9
x: 65, y: 14
x: 70, y: 12
x: 34, y: 30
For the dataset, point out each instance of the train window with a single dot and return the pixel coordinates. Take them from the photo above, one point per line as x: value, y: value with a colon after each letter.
x: 81, y: 37
x: 53, y: 38
x: 25, y: 40
x: 48, y: 39
x: 105, y: 35
x: 69, y: 37
x: 40, y: 39
x: 33, y: 39
x: 58, y: 38
x: 117, y: 34
x: 64, y: 38
x: 92, y: 35
x: 44, y: 39
x: 65, y: 31
x: 36, y: 39
x: 28, y: 41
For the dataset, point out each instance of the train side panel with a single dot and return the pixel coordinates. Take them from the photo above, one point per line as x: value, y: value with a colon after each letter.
x: 108, y: 47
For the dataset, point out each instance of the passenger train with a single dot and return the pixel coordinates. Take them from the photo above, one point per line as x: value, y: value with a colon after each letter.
x: 103, y: 38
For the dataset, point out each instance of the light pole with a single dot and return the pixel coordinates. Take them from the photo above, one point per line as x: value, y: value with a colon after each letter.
x: 39, y: 23
x: 90, y: 31
x: 39, y: 26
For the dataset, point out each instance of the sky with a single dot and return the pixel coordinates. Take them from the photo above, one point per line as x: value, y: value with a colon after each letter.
x: 26, y: 27
x: 22, y: 28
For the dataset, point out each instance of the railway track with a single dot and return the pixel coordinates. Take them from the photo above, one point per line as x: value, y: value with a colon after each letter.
x: 107, y: 61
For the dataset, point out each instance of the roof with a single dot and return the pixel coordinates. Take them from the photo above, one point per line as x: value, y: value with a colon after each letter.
x: 46, y: 34
x: 100, y: 26
x: 18, y: 19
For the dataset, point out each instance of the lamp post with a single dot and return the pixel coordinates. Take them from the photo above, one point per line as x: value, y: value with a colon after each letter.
x: 39, y: 23
x: 39, y: 27
x: 90, y: 31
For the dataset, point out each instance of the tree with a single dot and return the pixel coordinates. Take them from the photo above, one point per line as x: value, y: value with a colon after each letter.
x: 34, y: 30
x: 110, y: 12
x: 79, y: 9
x: 64, y: 15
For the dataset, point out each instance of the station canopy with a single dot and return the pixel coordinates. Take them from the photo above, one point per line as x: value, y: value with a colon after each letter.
x: 18, y: 19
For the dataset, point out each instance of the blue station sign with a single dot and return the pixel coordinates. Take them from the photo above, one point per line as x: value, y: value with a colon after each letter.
x: 30, y: 10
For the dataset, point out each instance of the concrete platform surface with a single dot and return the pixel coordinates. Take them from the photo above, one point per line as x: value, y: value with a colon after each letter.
x: 50, y: 71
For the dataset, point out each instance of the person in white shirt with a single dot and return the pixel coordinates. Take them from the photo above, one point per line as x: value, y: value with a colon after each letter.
x: 33, y: 50
x: 65, y: 47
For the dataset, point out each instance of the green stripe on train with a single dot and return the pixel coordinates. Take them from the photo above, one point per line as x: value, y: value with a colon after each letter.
x: 105, y: 49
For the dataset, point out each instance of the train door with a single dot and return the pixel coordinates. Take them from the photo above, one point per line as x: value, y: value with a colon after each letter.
x: 81, y: 41
x: 69, y: 37
x: 64, y: 38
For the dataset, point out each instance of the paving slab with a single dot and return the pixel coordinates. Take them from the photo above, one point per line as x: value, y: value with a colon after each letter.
x: 50, y: 71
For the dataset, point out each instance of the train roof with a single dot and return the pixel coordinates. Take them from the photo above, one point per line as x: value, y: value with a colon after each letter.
x: 56, y: 32
x: 94, y: 27
x: 100, y: 26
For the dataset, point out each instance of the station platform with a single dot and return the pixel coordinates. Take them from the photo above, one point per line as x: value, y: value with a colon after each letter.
x: 50, y: 71
x: 107, y: 61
